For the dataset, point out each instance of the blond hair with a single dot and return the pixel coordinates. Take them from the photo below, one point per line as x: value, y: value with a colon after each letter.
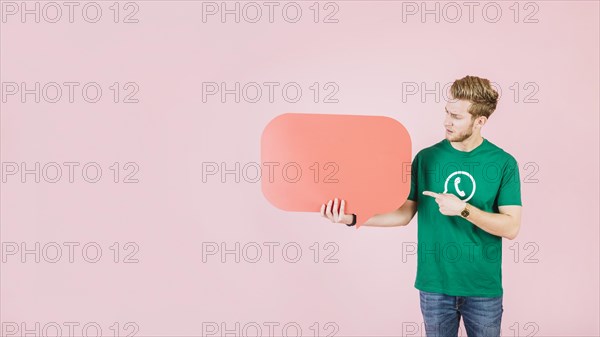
x: 479, y: 92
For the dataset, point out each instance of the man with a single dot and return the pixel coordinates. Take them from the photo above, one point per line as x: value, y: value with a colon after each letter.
x: 467, y: 192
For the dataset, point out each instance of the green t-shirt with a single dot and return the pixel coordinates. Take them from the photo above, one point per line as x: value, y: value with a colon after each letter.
x: 454, y: 256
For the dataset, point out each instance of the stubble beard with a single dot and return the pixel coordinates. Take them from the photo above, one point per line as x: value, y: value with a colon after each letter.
x: 462, y: 136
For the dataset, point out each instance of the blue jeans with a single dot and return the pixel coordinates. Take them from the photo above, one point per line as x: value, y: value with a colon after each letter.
x: 441, y: 314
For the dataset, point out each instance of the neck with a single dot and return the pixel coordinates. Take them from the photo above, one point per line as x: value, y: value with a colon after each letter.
x: 468, y: 144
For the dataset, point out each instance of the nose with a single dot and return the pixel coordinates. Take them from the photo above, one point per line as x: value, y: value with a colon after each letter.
x: 447, y: 121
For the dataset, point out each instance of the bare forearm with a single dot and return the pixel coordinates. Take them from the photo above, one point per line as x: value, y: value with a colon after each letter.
x: 494, y: 223
x: 390, y: 219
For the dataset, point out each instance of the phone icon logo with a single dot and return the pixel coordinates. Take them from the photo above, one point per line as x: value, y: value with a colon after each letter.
x: 461, y: 193
x: 457, y: 189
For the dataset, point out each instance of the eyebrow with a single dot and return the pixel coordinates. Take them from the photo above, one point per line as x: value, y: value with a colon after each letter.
x: 451, y: 112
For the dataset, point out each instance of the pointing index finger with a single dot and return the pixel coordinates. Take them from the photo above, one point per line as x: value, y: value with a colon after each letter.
x: 431, y: 194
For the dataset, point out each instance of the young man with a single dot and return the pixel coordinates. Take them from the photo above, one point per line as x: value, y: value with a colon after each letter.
x: 467, y: 192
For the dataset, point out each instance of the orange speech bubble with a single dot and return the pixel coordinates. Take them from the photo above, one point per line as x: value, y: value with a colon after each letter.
x: 313, y: 158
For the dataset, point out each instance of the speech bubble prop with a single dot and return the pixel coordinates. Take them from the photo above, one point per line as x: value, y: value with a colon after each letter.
x: 309, y: 159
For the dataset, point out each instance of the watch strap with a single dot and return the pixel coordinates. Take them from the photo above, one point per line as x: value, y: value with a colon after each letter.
x: 353, y: 221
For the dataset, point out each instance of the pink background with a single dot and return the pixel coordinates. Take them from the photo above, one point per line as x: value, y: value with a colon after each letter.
x: 369, y: 53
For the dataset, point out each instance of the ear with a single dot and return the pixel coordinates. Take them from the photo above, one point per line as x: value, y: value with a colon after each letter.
x: 481, y: 121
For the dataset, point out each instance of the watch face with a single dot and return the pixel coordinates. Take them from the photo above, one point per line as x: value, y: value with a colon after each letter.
x: 465, y: 213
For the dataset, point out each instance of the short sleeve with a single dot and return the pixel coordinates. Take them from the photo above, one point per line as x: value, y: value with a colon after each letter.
x: 414, y: 169
x: 510, y: 186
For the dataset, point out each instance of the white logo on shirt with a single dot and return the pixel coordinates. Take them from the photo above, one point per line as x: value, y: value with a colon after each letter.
x: 456, y: 184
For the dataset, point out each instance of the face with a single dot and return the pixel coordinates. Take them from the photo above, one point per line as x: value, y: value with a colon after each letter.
x: 458, y: 123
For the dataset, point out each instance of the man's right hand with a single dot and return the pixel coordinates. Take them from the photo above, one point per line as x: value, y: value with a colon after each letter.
x: 335, y: 214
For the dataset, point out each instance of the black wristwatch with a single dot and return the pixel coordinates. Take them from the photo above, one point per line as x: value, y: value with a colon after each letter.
x: 353, y: 221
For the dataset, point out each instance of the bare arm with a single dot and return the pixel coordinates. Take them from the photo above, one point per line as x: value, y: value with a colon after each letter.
x: 400, y: 217
x: 505, y: 224
x: 335, y: 211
